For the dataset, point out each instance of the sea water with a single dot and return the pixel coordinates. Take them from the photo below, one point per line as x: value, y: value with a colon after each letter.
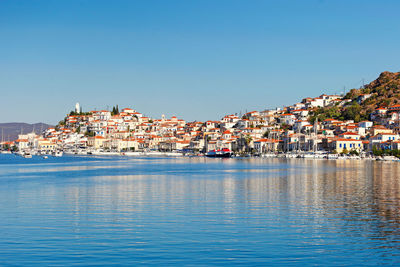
x: 81, y: 210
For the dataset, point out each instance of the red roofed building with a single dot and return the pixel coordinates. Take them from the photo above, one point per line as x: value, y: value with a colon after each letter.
x: 350, y: 135
x: 266, y: 145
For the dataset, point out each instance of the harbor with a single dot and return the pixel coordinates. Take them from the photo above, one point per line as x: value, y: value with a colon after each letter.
x: 227, y: 154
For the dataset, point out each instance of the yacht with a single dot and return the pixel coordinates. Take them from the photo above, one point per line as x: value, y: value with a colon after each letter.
x: 220, y: 153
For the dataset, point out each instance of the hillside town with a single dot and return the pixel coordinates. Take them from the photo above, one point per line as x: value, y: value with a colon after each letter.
x: 287, y: 131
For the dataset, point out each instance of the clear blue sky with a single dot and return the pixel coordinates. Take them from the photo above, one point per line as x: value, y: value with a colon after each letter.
x: 194, y: 59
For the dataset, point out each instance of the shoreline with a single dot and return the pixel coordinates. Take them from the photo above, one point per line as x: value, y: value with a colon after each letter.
x: 182, y: 155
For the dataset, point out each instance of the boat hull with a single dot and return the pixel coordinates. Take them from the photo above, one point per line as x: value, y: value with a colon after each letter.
x: 219, y: 156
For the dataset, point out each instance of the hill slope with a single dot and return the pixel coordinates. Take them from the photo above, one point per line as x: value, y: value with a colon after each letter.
x: 382, y: 92
x: 385, y: 92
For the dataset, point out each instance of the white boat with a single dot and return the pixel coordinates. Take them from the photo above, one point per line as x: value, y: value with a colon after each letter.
x: 333, y: 156
x: 57, y: 153
x: 27, y: 155
x: 268, y: 155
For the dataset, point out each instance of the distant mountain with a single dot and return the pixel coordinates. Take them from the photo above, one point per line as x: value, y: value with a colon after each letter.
x: 11, y: 130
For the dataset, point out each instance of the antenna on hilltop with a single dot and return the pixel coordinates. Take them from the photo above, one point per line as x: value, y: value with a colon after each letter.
x: 363, y: 83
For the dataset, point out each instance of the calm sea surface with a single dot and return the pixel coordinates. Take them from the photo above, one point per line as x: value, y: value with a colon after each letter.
x: 197, y: 211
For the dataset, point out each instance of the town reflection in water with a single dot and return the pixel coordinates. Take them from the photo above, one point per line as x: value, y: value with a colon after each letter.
x: 346, y: 190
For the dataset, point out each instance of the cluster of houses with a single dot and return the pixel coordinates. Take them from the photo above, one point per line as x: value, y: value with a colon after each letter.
x: 283, y: 129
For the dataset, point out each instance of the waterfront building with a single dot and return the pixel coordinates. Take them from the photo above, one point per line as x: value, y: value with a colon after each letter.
x: 342, y: 144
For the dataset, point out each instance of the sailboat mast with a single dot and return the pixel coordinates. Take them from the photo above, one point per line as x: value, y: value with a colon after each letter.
x: 315, y: 134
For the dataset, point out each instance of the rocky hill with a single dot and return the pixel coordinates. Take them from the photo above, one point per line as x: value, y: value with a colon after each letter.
x: 11, y: 130
x: 382, y: 92
x: 385, y: 92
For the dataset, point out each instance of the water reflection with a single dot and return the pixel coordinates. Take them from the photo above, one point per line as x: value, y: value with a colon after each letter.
x: 351, y: 190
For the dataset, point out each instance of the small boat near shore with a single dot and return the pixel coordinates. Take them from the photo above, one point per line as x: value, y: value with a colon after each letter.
x: 27, y: 155
x: 220, y: 153
x: 58, y: 153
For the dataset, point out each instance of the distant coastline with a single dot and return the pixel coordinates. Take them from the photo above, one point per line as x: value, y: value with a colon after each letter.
x: 9, y: 131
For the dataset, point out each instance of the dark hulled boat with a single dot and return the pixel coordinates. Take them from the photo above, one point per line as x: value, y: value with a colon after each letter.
x: 220, y: 153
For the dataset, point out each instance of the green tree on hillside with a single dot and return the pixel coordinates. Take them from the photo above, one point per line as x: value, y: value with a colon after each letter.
x: 115, y: 110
